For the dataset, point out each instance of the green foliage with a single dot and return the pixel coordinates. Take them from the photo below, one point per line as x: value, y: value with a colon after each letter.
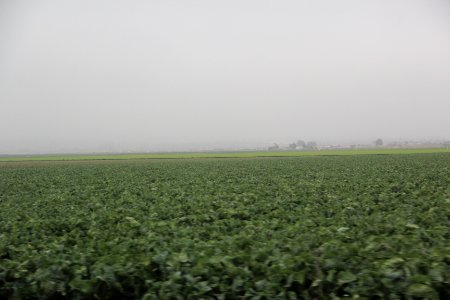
x: 269, y: 228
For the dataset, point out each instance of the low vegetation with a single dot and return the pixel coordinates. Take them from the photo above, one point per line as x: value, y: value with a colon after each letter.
x: 237, y: 154
x: 263, y: 228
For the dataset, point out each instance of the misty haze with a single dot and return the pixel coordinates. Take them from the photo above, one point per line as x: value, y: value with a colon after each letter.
x: 80, y: 76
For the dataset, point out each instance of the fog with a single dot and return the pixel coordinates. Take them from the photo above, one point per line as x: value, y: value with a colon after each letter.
x: 80, y: 76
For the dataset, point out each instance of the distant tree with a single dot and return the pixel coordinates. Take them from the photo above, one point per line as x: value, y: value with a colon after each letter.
x: 311, y: 145
x: 293, y: 146
x: 301, y: 143
x: 274, y: 147
x: 378, y: 142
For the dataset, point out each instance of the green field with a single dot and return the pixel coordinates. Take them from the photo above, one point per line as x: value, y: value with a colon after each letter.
x: 249, y: 154
x: 315, y: 227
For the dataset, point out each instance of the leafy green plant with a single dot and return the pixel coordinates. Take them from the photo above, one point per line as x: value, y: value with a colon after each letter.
x: 270, y: 228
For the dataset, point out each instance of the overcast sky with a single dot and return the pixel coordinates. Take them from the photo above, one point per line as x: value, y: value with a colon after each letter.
x: 78, y: 76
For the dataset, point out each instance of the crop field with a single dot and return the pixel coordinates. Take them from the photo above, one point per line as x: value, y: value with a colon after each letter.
x: 247, y: 154
x: 312, y: 227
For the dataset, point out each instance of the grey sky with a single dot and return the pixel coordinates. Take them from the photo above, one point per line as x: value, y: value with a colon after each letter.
x: 156, y: 75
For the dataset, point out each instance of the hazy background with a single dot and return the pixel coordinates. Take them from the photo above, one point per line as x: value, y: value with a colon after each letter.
x: 79, y: 76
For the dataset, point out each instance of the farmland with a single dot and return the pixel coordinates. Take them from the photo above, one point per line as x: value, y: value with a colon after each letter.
x: 310, y: 227
x: 236, y: 154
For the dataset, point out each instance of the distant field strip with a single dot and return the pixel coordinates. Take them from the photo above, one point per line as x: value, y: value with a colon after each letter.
x: 221, y: 155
